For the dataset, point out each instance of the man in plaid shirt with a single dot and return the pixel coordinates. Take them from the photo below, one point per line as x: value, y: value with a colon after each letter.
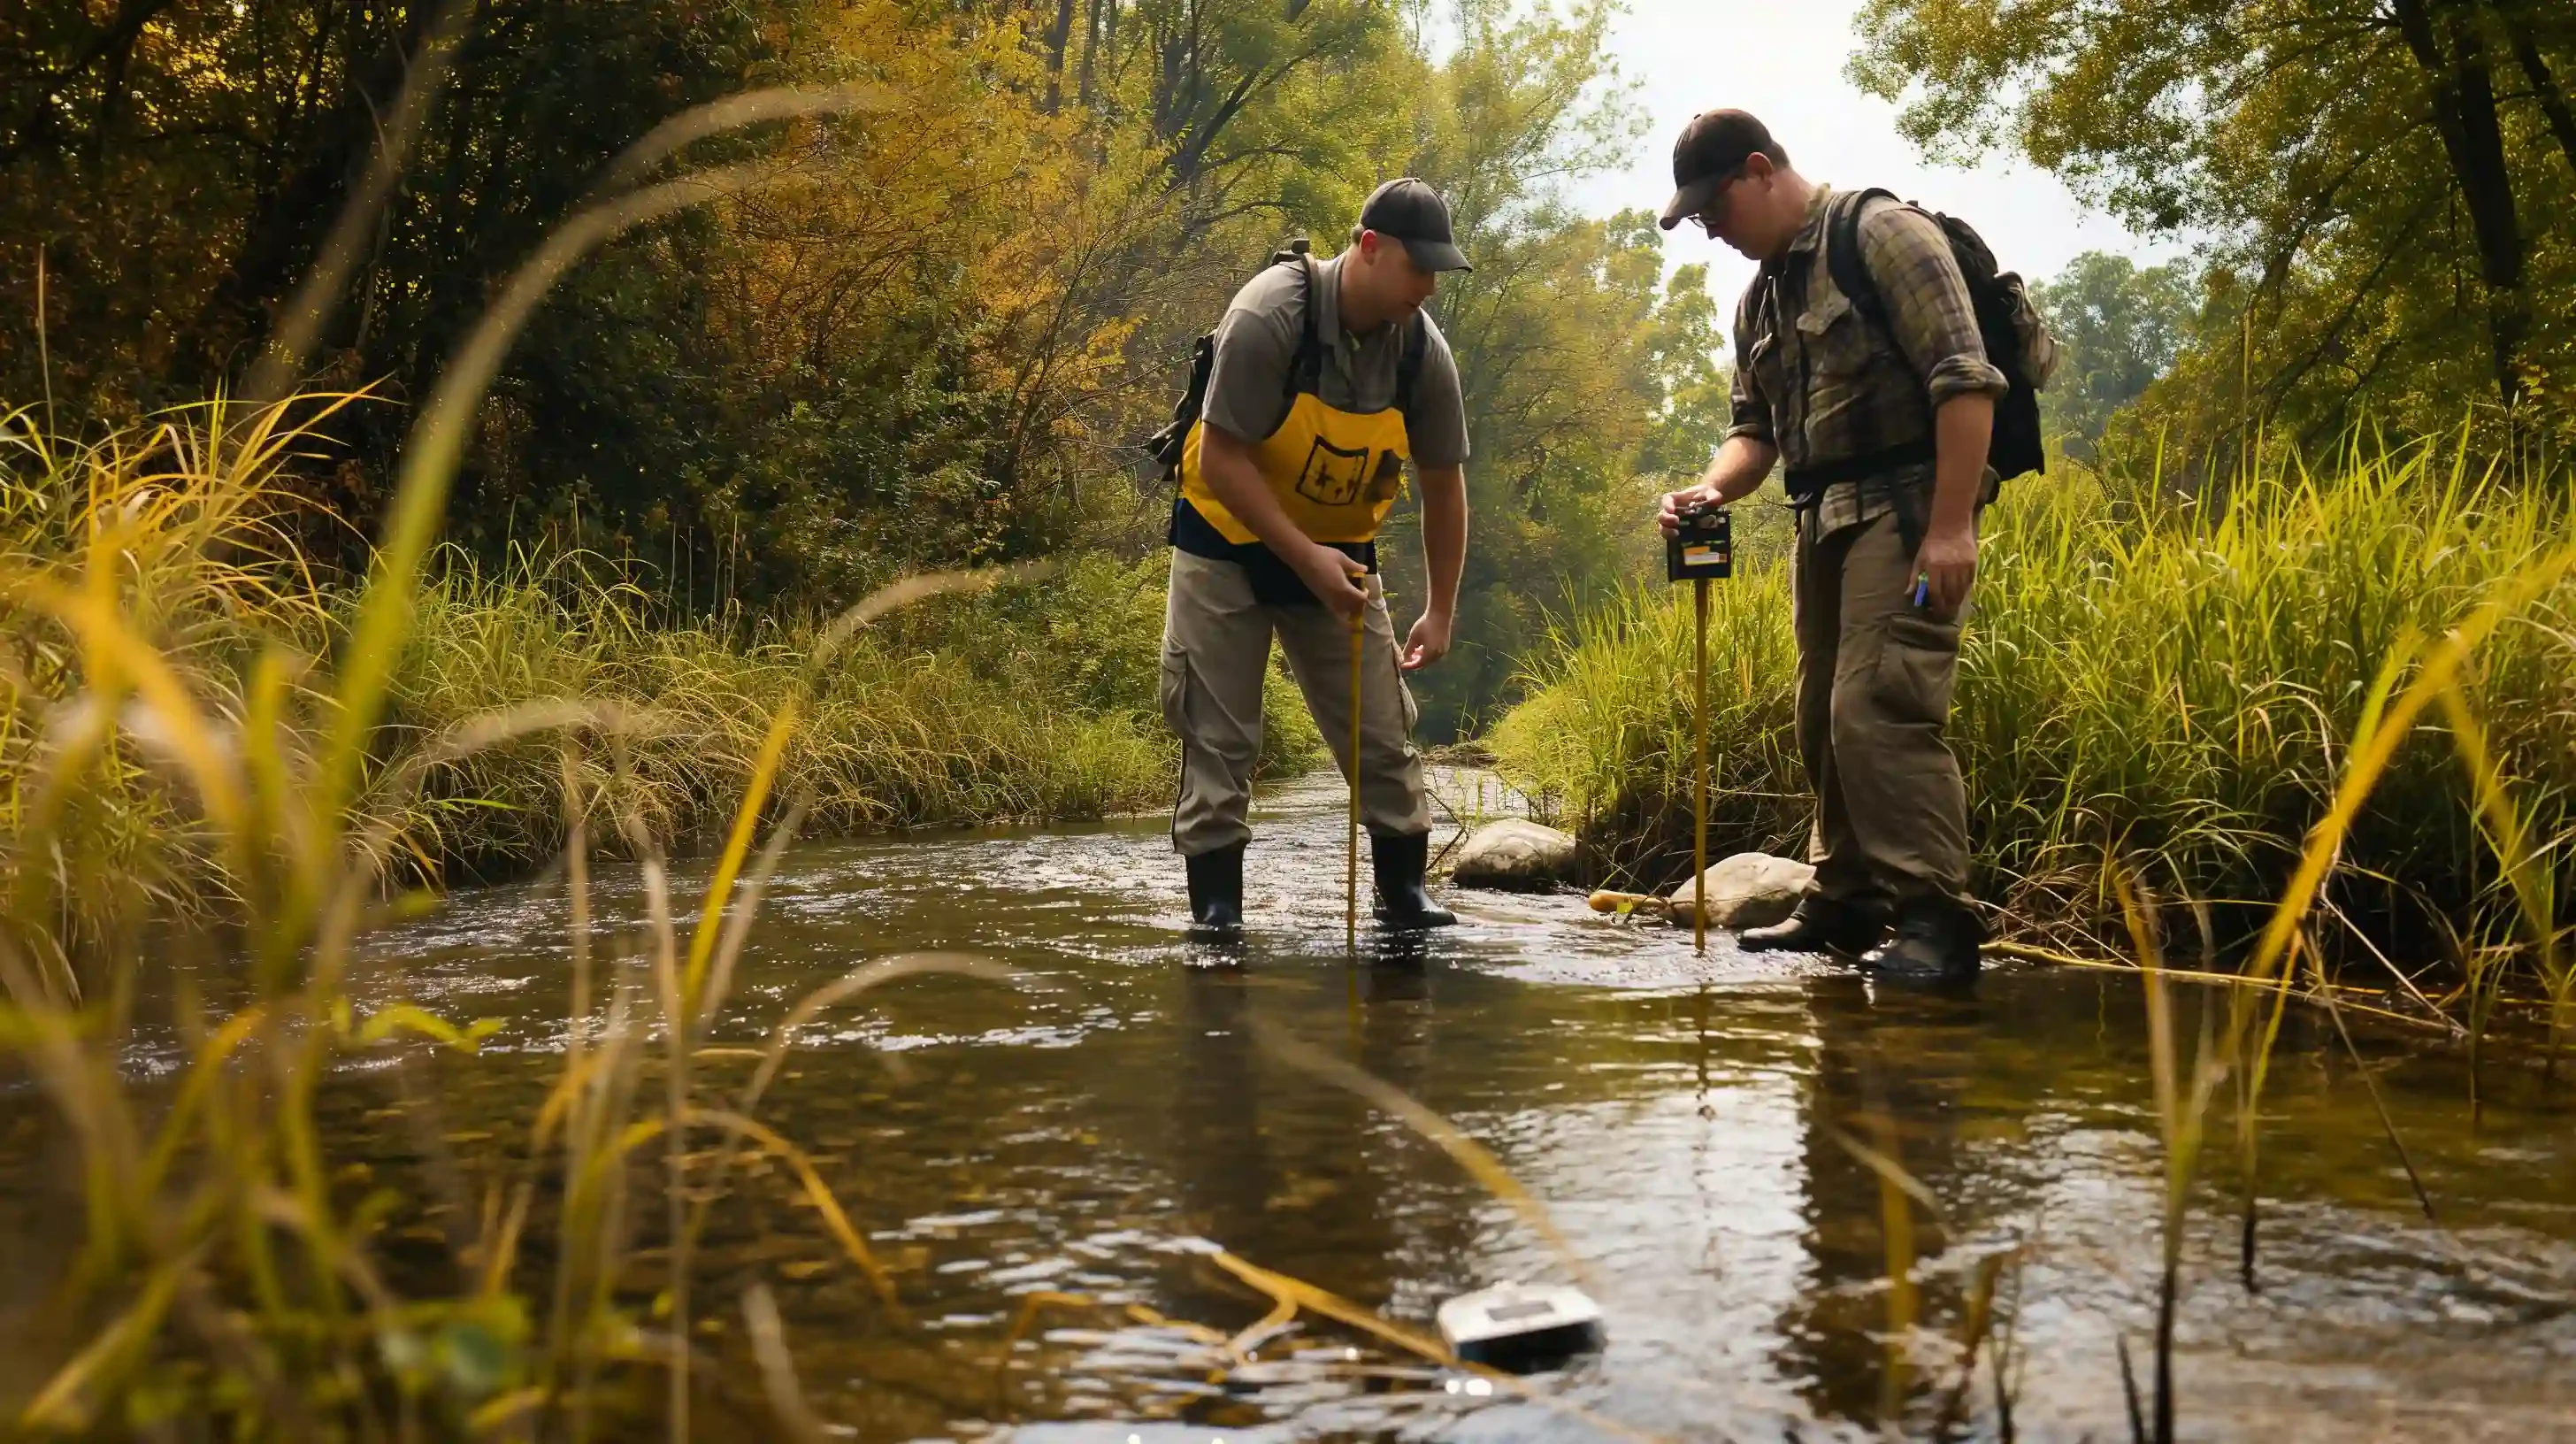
x: 1883, y: 431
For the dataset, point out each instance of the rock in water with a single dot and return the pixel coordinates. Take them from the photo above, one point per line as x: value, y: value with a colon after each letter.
x: 1748, y: 890
x: 1514, y: 855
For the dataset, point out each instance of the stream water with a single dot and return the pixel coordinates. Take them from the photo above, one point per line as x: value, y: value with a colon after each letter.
x: 1098, y: 1129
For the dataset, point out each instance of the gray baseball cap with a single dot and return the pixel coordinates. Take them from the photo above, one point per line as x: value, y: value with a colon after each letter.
x: 1413, y: 213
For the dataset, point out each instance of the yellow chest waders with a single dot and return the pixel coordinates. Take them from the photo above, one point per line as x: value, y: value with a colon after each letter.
x: 1336, y: 474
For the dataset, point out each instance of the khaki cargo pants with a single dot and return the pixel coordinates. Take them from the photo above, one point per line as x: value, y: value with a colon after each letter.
x: 1875, y: 678
x: 1216, y: 650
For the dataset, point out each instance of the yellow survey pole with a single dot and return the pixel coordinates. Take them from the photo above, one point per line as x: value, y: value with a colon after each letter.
x: 1351, y: 863
x: 1699, y: 795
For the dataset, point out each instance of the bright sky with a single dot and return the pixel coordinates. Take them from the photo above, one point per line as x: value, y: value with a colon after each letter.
x: 1783, y: 60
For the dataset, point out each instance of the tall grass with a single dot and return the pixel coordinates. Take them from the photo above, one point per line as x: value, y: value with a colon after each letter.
x: 174, y: 698
x: 977, y: 716
x: 2174, y: 683
x: 173, y: 692
x: 1034, y: 699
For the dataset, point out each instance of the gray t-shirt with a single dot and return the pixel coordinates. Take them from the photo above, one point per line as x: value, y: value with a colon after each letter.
x: 1256, y: 344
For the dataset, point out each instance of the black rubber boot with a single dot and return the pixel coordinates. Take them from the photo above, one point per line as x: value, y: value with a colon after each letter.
x: 1935, y: 942
x: 1819, y: 925
x: 1216, y: 890
x: 1402, y: 901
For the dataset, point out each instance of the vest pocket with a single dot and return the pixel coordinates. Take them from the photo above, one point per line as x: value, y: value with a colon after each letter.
x: 1332, y: 475
x: 1918, y: 670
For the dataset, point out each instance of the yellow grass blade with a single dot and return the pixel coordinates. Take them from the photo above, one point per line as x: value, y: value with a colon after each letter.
x: 816, y: 1192
x: 58, y: 1404
x: 1295, y: 1293
x: 746, y: 824
x: 438, y: 440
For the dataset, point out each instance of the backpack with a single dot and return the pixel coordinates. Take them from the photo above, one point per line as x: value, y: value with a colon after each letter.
x: 2017, y: 339
x: 1167, y: 446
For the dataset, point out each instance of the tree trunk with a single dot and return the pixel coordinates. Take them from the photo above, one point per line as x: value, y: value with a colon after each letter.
x: 1090, y: 49
x: 2544, y: 87
x: 2464, y: 111
x: 1058, y: 36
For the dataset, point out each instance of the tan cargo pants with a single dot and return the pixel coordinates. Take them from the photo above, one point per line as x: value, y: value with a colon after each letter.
x: 1216, y: 649
x: 1875, y: 678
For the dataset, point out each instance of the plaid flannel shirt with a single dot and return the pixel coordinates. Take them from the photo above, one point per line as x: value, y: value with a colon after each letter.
x: 1831, y: 384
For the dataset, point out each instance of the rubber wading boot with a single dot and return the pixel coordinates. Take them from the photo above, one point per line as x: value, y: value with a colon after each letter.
x: 1819, y: 925
x: 1935, y: 942
x: 1402, y: 901
x: 1216, y: 890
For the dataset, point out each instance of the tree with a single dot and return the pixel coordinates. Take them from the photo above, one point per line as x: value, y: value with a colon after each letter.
x: 2385, y: 183
x: 933, y: 342
x: 1577, y: 358
x: 2120, y: 326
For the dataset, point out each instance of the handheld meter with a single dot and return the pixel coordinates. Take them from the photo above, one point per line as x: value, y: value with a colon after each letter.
x: 1703, y: 545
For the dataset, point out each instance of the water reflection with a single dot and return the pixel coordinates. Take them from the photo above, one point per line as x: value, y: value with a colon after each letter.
x: 1682, y: 1117
x: 1291, y: 1170
x: 1889, y: 1073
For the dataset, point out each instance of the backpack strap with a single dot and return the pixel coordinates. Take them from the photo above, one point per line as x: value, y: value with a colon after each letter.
x: 1306, y: 370
x: 1408, y: 367
x: 1846, y: 261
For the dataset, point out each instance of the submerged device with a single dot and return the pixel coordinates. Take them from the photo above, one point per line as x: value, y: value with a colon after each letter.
x: 1703, y: 545
x: 1521, y: 1327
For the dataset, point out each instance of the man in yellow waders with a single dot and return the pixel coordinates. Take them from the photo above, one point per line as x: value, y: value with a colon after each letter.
x: 1326, y: 378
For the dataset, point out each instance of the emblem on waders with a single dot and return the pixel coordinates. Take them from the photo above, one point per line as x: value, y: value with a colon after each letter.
x: 1333, y: 476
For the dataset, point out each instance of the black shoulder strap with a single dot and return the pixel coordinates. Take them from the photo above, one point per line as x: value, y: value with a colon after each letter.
x: 1306, y: 371
x: 1408, y: 367
x: 1846, y: 261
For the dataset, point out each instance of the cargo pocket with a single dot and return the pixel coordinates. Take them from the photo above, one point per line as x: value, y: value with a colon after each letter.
x: 1176, y: 690
x: 1918, y: 669
x: 1406, y: 708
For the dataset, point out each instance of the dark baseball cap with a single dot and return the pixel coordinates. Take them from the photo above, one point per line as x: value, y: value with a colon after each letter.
x: 1413, y: 213
x: 1711, y: 152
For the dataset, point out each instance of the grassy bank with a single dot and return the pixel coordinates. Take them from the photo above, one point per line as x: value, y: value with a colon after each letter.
x: 2177, y: 686
x: 1031, y: 700
x: 198, y: 836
